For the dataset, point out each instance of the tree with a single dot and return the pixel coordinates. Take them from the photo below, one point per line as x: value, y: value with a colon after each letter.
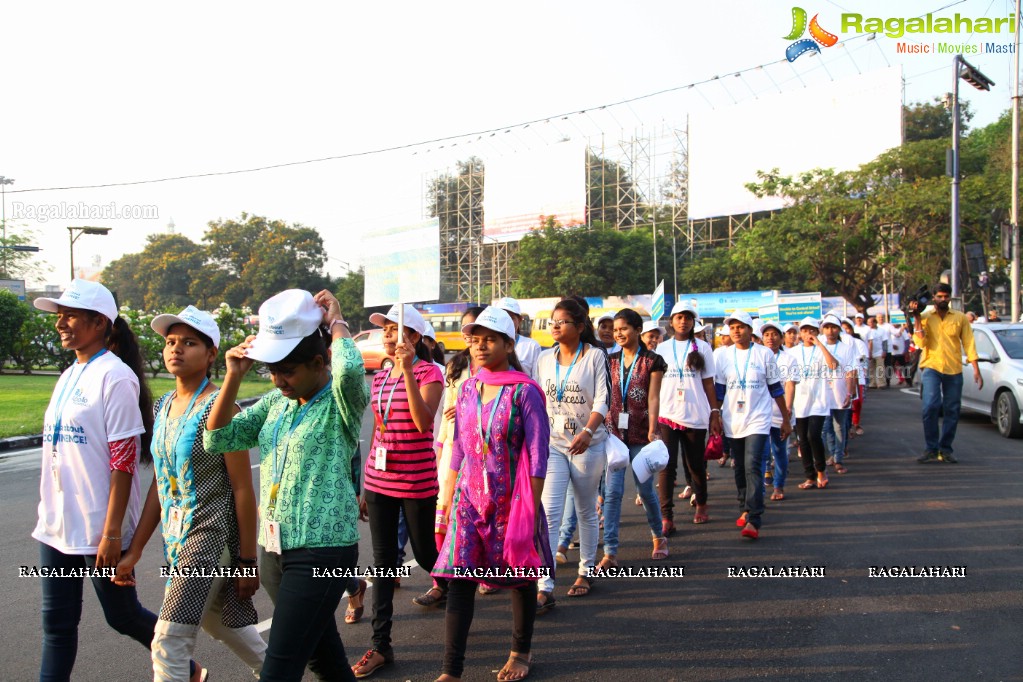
x: 17, y: 263
x: 38, y: 346
x: 12, y: 316
x: 255, y: 258
x: 933, y: 120
x: 350, y: 292
x: 121, y: 276
x: 157, y: 278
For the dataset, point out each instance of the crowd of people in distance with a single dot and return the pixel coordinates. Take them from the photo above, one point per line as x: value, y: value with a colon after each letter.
x: 488, y: 465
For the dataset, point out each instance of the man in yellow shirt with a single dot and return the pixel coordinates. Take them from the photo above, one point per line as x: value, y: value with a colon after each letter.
x: 943, y: 335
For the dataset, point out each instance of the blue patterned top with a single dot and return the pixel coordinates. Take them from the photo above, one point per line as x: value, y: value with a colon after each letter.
x: 316, y: 505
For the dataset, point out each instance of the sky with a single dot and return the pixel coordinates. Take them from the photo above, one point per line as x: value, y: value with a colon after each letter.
x: 108, y: 93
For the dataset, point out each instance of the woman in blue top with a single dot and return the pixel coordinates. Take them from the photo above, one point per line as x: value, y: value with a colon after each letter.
x: 307, y: 431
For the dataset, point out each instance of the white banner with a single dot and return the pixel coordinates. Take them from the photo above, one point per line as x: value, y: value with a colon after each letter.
x: 404, y: 264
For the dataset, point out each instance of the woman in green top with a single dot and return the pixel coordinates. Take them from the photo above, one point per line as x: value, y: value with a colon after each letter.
x: 307, y: 431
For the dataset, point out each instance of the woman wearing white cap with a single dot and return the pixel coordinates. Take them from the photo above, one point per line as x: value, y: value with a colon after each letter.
x: 400, y: 475
x: 775, y: 446
x: 652, y: 335
x: 575, y: 378
x: 636, y: 375
x: 207, y: 509
x: 747, y: 383
x: 526, y: 349
x: 688, y: 408
x: 307, y: 431
x: 811, y: 403
x: 97, y: 426
x: 490, y: 516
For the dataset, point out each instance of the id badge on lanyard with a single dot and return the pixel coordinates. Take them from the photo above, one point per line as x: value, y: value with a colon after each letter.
x: 272, y: 533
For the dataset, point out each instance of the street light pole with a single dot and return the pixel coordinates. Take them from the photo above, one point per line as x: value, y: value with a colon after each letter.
x: 962, y: 69
x: 3, y: 193
x: 74, y: 237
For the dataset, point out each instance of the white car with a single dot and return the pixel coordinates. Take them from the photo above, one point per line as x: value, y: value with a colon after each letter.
x: 1000, y: 358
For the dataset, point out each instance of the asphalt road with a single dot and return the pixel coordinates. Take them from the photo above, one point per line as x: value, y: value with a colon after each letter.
x: 888, y: 510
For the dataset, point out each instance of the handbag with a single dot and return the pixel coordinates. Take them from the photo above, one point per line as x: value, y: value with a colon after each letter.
x: 715, y: 447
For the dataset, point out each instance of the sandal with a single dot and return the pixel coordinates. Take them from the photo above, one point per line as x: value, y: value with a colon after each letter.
x: 561, y: 556
x: 822, y: 482
x: 778, y: 495
x: 609, y: 561
x: 686, y: 492
x: 807, y: 484
x: 667, y: 527
x: 548, y: 603
x: 485, y: 589
x: 701, y: 514
x: 432, y: 597
x: 741, y: 521
x: 660, y: 548
x: 840, y: 469
x: 507, y: 675
x: 364, y: 668
x: 353, y: 614
x: 580, y: 589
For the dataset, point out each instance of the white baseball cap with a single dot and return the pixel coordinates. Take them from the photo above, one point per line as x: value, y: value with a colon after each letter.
x: 494, y: 318
x: 682, y: 307
x: 605, y: 316
x: 773, y: 325
x: 508, y: 304
x: 191, y: 316
x: 652, y: 326
x: 84, y: 295
x: 430, y: 333
x: 790, y: 326
x: 847, y: 320
x: 284, y: 320
x: 651, y: 459
x: 831, y: 319
x: 413, y: 319
x: 858, y: 316
x: 721, y: 331
x: 809, y: 322
x: 739, y: 316
x: 757, y: 326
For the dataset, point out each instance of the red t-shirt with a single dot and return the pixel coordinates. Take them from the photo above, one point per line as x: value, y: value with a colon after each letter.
x: 411, y: 465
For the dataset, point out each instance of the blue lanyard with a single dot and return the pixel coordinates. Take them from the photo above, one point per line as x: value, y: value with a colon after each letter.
x: 58, y: 410
x: 745, y: 371
x: 385, y: 414
x: 172, y: 454
x: 624, y: 382
x: 278, y: 473
x: 806, y: 365
x: 560, y: 391
x: 485, y: 437
x: 674, y: 351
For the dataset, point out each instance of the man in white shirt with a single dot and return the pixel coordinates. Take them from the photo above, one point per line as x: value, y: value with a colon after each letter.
x: 861, y: 328
x: 526, y: 349
x: 878, y: 347
x: 842, y: 385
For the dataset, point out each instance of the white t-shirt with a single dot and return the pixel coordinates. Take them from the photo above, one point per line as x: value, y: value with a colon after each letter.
x: 847, y: 362
x: 900, y: 339
x: 863, y: 330
x: 528, y: 352
x: 788, y: 370
x: 587, y: 389
x: 880, y: 341
x: 862, y: 361
x: 100, y: 405
x: 689, y: 408
x: 811, y: 397
x: 745, y: 374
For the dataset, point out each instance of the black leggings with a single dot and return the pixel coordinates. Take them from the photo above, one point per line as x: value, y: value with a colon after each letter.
x: 693, y: 442
x: 383, y: 526
x: 811, y: 445
x: 458, y: 619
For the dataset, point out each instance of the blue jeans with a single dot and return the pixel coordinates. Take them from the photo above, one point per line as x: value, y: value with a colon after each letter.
x: 779, y: 449
x: 568, y: 526
x: 942, y: 394
x: 304, y: 630
x: 62, y: 611
x: 748, y: 453
x: 581, y: 474
x: 613, y: 503
x: 836, y: 433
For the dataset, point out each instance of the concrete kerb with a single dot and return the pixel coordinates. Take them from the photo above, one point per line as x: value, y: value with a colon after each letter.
x: 8, y: 445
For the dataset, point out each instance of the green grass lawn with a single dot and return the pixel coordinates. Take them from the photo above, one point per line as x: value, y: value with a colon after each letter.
x: 23, y: 399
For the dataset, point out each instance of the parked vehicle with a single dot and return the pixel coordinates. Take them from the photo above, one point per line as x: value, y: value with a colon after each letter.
x: 371, y: 344
x: 1000, y: 356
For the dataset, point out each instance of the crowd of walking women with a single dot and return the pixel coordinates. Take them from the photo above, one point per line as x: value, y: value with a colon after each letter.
x: 486, y: 466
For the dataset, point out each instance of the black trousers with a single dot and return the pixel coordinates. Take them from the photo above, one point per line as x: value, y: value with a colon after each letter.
x: 692, y: 443
x: 811, y: 445
x: 383, y: 526
x: 458, y: 619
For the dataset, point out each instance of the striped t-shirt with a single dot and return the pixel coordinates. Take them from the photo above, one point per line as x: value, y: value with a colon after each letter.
x: 411, y: 466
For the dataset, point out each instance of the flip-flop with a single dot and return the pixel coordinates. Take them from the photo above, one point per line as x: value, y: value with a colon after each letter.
x: 777, y: 495
x: 839, y: 469
x: 577, y: 590
x: 504, y: 674
x: 549, y: 602
x: 807, y: 485
x: 354, y: 614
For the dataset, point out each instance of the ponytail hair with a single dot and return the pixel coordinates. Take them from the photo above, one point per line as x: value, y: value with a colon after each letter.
x: 122, y: 342
x: 580, y: 317
x: 695, y: 361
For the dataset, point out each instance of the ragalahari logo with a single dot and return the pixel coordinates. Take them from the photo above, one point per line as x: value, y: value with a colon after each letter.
x: 817, y: 35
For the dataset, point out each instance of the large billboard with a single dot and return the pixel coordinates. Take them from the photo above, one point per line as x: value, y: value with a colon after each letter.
x: 405, y: 267
x: 522, y: 190
x: 839, y: 125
